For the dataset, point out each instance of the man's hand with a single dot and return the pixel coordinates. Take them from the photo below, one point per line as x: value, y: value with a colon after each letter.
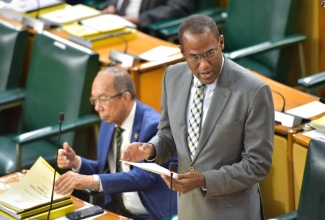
x: 138, y: 151
x: 67, y: 158
x: 109, y: 10
x: 71, y: 180
x: 186, y: 182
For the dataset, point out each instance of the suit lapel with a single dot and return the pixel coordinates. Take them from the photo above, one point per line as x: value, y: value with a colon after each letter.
x: 182, y: 109
x: 137, y: 122
x: 105, y: 146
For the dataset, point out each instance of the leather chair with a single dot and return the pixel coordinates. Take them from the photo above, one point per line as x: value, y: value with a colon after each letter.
x: 312, y: 192
x: 13, y: 47
x: 312, y: 82
x: 261, y: 35
x: 168, y: 29
x: 59, y: 80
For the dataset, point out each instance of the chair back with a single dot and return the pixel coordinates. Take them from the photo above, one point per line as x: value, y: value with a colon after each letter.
x: 312, y: 195
x: 59, y: 80
x: 13, y: 45
x: 206, y: 4
x: 250, y: 22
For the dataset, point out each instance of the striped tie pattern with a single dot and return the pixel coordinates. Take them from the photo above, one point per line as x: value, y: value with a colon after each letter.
x: 118, y: 137
x: 195, y: 118
x: 123, y: 7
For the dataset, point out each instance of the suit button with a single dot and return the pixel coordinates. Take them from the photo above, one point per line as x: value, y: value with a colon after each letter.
x: 192, y: 169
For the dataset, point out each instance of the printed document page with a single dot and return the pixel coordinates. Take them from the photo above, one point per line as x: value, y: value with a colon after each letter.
x: 34, y: 189
x: 308, y: 110
x: 152, y: 167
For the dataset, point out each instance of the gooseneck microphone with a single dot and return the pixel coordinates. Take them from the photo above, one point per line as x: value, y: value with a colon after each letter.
x: 172, y: 171
x: 283, y: 99
x: 61, y: 118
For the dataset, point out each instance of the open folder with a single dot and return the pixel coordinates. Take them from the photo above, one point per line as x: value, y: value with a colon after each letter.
x: 152, y: 167
x: 31, y: 196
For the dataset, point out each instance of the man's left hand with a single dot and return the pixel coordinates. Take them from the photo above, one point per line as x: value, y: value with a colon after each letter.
x: 184, y: 183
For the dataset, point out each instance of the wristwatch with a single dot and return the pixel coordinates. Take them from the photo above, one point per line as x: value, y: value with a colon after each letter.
x: 96, y: 183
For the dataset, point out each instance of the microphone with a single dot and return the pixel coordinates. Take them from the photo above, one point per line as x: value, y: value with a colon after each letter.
x: 283, y: 99
x: 172, y: 171
x: 38, y: 8
x: 61, y: 118
x: 322, y: 100
x: 284, y: 118
x: 124, y: 58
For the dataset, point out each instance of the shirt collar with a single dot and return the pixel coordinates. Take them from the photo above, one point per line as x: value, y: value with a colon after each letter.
x: 128, y: 122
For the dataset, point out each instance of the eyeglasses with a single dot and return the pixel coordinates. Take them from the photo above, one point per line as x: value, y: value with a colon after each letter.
x: 103, y: 100
x: 196, y: 59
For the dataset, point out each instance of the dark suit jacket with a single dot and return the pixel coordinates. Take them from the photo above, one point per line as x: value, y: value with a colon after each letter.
x: 152, y: 11
x: 235, y: 147
x: 153, y: 191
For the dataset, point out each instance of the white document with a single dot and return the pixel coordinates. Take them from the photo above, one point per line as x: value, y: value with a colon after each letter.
x: 69, y: 14
x: 152, y: 167
x: 25, y: 6
x: 34, y: 189
x: 308, y: 110
x: 107, y: 22
x: 314, y: 134
x: 159, y: 52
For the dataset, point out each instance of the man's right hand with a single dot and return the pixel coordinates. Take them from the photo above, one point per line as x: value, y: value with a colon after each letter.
x: 67, y: 158
x: 109, y: 10
x: 138, y: 151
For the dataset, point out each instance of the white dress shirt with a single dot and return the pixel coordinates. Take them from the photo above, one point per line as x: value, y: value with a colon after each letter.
x: 131, y: 200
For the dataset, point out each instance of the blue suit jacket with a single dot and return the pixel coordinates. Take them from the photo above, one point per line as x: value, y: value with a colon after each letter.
x: 153, y: 191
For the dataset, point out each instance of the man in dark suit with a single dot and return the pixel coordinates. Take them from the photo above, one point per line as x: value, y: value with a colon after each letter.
x: 146, y: 12
x: 129, y: 191
x: 218, y: 117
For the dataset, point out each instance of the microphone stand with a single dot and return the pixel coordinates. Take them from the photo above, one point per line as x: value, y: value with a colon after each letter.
x: 61, y: 118
x: 171, y: 169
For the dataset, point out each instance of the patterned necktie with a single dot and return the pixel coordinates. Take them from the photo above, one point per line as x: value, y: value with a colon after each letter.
x: 118, y: 137
x: 118, y: 196
x: 195, y: 118
x: 123, y: 7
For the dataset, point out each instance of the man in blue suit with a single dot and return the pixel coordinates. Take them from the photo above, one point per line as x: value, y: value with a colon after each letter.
x: 129, y: 191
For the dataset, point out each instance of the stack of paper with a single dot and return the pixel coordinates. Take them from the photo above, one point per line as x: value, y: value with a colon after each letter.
x: 26, y: 6
x: 319, y: 124
x: 69, y: 15
x: 30, y: 198
x: 308, y: 110
x: 101, y: 30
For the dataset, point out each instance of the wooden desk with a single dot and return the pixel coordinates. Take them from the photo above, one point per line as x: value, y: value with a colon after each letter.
x: 299, y: 149
x: 140, y: 44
